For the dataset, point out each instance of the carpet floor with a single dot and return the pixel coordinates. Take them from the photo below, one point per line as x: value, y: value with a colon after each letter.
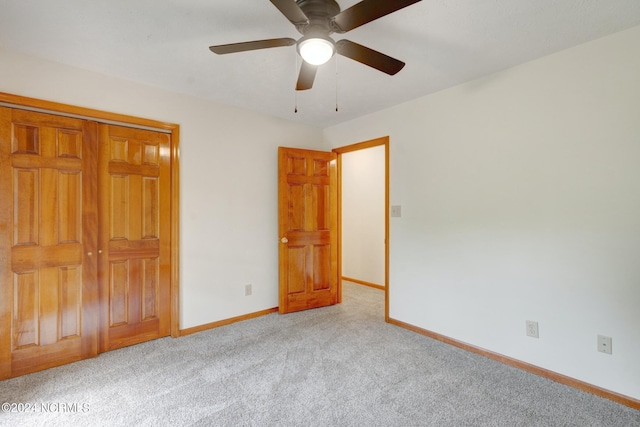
x: 335, y: 366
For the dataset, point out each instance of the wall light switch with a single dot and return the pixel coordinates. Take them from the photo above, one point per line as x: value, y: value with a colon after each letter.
x: 396, y: 211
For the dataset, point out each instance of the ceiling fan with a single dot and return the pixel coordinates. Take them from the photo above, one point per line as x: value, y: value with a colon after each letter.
x: 316, y: 20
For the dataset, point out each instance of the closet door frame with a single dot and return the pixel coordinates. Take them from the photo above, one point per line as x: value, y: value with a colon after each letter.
x: 33, y: 104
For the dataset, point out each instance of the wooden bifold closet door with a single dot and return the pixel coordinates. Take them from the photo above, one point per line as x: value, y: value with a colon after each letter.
x: 134, y: 235
x: 84, y: 239
x: 48, y: 236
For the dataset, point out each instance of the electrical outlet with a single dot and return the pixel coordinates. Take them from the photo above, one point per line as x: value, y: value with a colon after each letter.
x: 532, y: 329
x: 396, y: 211
x: 604, y: 344
x: 247, y: 290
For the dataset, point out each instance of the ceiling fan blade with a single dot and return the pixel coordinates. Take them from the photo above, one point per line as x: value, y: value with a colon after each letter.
x: 367, y: 11
x: 291, y: 10
x: 307, y: 76
x: 369, y: 57
x: 254, y: 45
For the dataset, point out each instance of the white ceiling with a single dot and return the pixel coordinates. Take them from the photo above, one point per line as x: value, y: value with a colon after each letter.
x: 165, y: 43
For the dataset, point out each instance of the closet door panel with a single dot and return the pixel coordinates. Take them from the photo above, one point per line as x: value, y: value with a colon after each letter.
x: 48, y: 293
x: 134, y: 205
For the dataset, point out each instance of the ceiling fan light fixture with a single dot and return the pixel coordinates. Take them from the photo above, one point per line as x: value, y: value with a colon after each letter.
x: 316, y: 51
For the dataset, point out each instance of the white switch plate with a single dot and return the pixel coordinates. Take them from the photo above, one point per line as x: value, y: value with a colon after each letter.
x: 396, y: 211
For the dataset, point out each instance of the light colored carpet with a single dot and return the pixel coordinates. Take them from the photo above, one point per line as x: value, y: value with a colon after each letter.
x: 336, y: 366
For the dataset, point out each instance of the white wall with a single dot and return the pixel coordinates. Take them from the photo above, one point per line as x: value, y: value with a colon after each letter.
x: 520, y: 196
x: 363, y: 215
x: 228, y: 180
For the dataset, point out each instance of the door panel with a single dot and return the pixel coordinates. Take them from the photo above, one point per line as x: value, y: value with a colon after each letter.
x: 134, y: 176
x: 308, y: 229
x: 48, y: 232
x: 150, y: 288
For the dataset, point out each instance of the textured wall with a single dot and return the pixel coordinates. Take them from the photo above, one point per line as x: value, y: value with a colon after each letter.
x: 520, y: 194
x: 363, y: 214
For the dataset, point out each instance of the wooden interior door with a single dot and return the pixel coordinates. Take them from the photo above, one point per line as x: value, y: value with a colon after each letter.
x: 135, y: 209
x: 308, y: 209
x: 48, y: 222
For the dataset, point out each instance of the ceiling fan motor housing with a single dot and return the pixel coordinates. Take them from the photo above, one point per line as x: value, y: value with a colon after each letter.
x: 320, y: 14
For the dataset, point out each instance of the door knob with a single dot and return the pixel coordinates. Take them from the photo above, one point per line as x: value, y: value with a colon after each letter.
x: 90, y: 253
x: 99, y: 251
x: 284, y: 240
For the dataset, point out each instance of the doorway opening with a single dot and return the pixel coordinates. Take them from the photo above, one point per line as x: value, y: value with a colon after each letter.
x: 363, y: 215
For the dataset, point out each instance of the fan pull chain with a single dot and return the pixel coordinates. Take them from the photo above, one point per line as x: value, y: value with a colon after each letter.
x: 295, y: 92
x: 336, y: 83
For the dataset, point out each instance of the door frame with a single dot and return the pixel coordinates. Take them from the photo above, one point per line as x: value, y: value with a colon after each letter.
x: 348, y: 149
x: 50, y: 107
